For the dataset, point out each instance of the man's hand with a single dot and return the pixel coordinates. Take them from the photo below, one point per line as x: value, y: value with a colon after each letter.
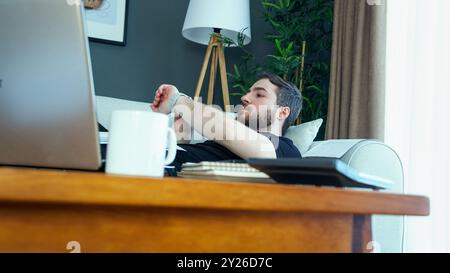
x: 162, y: 101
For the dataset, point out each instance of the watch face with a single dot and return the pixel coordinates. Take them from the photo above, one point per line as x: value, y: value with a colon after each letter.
x: 92, y: 4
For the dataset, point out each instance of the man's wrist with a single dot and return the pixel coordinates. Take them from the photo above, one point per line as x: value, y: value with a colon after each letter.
x: 173, y: 101
x: 181, y: 99
x: 175, y: 98
x: 182, y: 103
x: 184, y: 97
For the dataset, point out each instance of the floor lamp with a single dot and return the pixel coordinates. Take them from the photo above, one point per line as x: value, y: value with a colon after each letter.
x: 205, y: 22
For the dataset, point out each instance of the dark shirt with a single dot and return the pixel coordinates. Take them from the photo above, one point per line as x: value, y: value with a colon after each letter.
x: 212, y: 151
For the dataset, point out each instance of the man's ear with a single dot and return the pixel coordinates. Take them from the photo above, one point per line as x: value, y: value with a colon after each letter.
x: 283, y: 113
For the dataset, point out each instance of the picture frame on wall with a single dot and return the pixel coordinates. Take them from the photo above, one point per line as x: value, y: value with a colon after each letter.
x: 107, y: 21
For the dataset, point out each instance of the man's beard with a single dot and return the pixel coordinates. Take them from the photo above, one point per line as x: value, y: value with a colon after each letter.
x: 256, y: 121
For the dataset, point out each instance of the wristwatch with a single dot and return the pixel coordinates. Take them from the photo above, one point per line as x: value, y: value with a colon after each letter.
x: 174, y: 99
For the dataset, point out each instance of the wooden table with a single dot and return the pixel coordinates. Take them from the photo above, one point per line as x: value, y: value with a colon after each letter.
x: 44, y: 210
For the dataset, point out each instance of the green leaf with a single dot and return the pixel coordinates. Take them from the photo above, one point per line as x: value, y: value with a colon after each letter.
x: 236, y: 70
x: 314, y: 88
x: 271, y: 5
x: 289, y: 48
x: 278, y: 46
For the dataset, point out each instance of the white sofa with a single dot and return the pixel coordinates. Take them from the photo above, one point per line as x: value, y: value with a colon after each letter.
x: 368, y: 156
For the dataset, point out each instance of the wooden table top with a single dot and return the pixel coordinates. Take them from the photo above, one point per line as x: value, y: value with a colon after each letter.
x: 28, y: 185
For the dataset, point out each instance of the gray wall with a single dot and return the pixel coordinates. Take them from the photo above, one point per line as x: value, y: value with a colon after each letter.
x: 157, y: 53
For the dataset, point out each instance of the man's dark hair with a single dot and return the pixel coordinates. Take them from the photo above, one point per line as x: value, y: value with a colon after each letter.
x: 288, y: 95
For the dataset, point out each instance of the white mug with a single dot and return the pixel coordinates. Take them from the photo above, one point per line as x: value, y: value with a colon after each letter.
x: 137, y: 144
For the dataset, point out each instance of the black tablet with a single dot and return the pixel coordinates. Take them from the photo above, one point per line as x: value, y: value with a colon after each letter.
x: 317, y: 171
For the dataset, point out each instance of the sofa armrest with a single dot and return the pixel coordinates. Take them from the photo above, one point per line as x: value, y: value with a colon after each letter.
x: 375, y: 158
x: 371, y: 157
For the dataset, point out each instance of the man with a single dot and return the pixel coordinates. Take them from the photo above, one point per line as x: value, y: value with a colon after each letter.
x: 268, y: 109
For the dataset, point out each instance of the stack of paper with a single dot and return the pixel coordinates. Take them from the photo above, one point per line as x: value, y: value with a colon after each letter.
x: 224, y: 171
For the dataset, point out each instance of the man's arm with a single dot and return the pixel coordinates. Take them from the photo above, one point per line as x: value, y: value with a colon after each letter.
x: 232, y: 134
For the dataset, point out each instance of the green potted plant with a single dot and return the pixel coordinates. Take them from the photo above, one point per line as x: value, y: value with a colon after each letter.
x: 302, y: 38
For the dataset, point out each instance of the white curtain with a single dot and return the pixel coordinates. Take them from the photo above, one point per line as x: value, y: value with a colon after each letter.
x: 418, y: 112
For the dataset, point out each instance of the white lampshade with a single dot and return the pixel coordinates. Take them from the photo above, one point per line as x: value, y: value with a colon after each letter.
x: 230, y: 16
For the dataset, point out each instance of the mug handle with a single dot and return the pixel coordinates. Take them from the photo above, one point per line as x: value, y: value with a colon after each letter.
x: 171, y: 147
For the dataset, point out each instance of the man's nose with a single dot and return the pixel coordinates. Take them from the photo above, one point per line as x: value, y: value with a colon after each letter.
x: 245, y: 100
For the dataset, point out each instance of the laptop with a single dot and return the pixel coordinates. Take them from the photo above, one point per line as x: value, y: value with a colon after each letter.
x: 47, y: 97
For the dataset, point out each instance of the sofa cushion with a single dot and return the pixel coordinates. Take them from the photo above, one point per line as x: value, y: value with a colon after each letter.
x: 106, y: 105
x: 304, y: 134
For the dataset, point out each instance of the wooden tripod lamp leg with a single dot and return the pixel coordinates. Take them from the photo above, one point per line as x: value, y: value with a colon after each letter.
x: 215, y: 49
x: 203, y: 70
x: 223, y: 78
x: 212, y: 76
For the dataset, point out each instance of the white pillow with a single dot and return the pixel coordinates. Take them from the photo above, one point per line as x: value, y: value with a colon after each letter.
x: 304, y: 134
